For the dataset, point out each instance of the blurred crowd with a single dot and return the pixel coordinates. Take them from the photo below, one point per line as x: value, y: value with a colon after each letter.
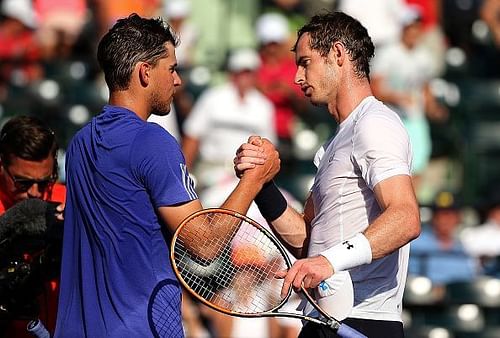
x: 437, y: 64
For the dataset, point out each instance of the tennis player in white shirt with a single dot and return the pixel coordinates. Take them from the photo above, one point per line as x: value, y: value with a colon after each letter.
x: 353, y: 235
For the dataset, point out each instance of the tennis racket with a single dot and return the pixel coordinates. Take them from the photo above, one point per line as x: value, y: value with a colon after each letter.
x: 243, y: 284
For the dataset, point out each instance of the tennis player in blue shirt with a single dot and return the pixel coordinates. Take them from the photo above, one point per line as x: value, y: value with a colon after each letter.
x: 127, y: 190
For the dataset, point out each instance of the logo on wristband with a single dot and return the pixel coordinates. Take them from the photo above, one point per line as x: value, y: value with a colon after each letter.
x: 348, y: 245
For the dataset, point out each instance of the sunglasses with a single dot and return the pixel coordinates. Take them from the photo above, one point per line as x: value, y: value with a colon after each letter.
x: 24, y: 184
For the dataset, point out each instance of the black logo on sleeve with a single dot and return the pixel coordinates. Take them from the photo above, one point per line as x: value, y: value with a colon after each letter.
x: 348, y: 245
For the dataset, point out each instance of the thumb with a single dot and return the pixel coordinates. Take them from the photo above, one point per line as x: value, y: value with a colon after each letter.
x: 255, y: 140
x: 280, y: 274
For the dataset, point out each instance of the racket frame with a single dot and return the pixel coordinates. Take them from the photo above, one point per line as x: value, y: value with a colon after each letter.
x: 329, y: 320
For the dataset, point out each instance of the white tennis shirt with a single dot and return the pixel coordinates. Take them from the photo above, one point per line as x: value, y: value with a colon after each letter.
x: 370, y: 146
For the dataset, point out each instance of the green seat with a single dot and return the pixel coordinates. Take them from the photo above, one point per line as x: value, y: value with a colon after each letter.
x: 484, y: 291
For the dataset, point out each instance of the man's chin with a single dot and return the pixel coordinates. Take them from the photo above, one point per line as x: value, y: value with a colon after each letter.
x: 315, y: 103
x: 160, y: 113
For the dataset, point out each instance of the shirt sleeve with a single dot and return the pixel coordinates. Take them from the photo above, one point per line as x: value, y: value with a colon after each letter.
x: 158, y: 163
x: 381, y: 148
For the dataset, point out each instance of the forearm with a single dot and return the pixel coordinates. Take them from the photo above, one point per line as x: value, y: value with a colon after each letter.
x: 397, y: 225
x: 286, y: 223
x: 291, y: 229
x: 243, y: 195
x: 393, y: 229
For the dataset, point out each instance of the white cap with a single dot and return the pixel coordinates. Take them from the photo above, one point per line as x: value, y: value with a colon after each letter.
x: 272, y: 27
x: 177, y: 9
x: 409, y: 15
x: 243, y: 59
x: 21, y: 10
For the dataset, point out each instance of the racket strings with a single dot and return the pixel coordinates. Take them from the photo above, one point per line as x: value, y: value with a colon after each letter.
x: 241, y: 278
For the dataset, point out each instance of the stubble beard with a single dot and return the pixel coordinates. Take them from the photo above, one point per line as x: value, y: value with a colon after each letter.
x: 159, y: 107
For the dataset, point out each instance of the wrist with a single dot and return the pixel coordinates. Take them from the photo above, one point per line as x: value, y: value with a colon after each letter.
x: 349, y: 254
x: 270, y: 201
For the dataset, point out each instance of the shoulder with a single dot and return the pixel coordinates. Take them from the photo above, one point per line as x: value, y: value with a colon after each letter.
x: 154, y: 133
x: 153, y: 141
x: 214, y: 92
x: 260, y: 99
x: 377, y: 118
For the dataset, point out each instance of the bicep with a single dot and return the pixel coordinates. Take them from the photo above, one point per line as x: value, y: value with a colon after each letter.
x: 173, y: 215
x: 396, y: 190
x: 399, y: 222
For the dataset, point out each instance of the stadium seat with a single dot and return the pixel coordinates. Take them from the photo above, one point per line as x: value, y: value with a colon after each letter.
x: 420, y: 291
x: 429, y: 332
x: 484, y: 291
x: 465, y: 318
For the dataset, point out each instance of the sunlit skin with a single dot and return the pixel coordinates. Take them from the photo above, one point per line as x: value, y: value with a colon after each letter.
x: 164, y: 80
x: 319, y: 78
x: 152, y: 87
x: 20, y: 168
x: 445, y: 222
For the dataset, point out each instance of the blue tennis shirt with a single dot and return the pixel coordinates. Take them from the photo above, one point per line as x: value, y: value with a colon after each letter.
x: 116, y: 278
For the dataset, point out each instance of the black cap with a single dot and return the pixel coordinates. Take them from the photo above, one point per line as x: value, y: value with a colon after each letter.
x: 446, y: 200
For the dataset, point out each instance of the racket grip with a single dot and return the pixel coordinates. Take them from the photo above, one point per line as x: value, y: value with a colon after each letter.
x: 37, y: 329
x: 346, y: 331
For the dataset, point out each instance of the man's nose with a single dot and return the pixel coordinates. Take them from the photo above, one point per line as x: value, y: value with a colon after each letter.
x: 34, y: 192
x: 177, y: 79
x: 299, y: 78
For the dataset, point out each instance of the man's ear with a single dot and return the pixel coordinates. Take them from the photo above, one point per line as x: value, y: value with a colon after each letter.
x: 338, y: 52
x: 143, y: 73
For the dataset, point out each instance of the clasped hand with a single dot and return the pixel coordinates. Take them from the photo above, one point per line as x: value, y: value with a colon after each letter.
x: 258, y: 158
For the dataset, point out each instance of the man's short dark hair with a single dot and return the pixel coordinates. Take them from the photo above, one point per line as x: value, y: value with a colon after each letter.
x: 28, y: 138
x: 131, y: 40
x: 330, y: 27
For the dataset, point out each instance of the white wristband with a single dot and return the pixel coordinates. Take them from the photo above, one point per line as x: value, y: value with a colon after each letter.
x: 349, y: 254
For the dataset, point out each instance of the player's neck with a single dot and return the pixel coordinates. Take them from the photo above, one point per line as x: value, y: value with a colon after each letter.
x: 351, y: 95
x: 126, y: 100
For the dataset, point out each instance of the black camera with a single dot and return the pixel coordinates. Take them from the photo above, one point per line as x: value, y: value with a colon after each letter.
x: 30, y: 256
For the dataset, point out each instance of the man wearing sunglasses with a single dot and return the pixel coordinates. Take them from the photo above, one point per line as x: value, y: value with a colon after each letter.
x: 28, y: 169
x: 28, y: 163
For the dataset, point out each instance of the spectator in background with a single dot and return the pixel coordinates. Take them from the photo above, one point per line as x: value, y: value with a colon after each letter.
x: 28, y: 169
x: 177, y: 13
x: 292, y: 10
x: 108, y: 12
x: 60, y: 24
x: 223, y: 118
x: 20, y: 54
x: 483, y: 241
x: 490, y: 14
x: 433, y: 38
x: 381, y: 18
x: 401, y: 75
x: 276, y: 76
x: 438, y: 253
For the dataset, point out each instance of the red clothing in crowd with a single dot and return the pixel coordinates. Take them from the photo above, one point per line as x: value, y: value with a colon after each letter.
x: 273, y: 78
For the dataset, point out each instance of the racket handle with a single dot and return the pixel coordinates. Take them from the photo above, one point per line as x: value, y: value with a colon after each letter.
x: 346, y: 331
x: 37, y: 329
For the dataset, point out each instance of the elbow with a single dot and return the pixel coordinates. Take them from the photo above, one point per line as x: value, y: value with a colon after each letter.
x: 414, y: 227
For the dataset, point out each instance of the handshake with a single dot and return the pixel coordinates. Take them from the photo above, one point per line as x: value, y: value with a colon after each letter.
x: 257, y: 159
